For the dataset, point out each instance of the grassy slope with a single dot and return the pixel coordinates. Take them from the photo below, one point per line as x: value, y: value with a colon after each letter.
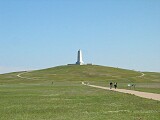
x: 67, y: 99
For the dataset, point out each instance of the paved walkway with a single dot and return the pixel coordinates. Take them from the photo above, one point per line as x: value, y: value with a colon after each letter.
x: 153, y: 96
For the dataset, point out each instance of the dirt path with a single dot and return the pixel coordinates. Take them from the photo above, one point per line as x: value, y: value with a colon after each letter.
x: 142, y: 74
x: 19, y: 75
x: 153, y: 96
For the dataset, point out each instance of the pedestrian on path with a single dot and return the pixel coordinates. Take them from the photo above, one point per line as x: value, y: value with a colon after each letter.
x: 115, y: 85
x: 110, y: 85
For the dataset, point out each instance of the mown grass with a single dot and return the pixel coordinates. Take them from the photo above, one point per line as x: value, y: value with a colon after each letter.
x: 68, y: 99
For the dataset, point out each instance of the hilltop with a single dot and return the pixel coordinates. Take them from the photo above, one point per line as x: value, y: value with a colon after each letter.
x: 90, y: 73
x: 82, y: 73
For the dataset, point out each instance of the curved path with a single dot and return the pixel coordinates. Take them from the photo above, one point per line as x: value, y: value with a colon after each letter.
x: 142, y: 74
x: 153, y: 96
x: 19, y: 75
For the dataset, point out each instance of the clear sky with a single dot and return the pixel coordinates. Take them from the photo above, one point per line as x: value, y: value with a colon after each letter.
x: 38, y: 34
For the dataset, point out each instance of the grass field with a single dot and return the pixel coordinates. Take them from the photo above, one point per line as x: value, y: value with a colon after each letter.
x: 57, y: 94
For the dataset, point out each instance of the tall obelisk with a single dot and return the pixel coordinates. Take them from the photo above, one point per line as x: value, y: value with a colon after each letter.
x: 79, y: 58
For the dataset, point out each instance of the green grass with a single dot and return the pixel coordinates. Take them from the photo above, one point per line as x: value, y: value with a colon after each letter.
x: 67, y: 99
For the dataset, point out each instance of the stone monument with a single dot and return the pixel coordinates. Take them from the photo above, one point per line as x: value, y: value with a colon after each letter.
x: 79, y: 58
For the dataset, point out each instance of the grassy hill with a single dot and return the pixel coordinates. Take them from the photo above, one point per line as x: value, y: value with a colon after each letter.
x: 93, y: 74
x: 57, y: 94
x: 82, y: 73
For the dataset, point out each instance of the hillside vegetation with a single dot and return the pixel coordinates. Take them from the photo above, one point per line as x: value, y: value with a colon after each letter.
x: 82, y: 73
x: 93, y: 74
x: 57, y: 94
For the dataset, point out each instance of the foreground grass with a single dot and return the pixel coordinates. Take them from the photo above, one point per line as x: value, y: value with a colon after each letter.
x: 71, y: 101
x: 67, y: 99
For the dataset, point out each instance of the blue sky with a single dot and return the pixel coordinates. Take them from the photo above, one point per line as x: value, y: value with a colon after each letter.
x: 37, y: 34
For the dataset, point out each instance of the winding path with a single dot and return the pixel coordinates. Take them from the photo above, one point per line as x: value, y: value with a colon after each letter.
x: 142, y: 74
x: 153, y: 96
x: 19, y: 75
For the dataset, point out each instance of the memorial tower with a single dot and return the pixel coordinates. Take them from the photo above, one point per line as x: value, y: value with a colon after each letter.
x: 79, y: 58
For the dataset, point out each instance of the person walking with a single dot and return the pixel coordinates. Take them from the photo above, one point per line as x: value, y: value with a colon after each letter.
x: 110, y: 85
x: 115, y: 85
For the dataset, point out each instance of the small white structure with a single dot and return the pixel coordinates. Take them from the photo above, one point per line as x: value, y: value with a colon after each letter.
x: 79, y: 58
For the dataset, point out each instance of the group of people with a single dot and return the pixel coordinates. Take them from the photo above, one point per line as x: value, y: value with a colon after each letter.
x: 111, y: 85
